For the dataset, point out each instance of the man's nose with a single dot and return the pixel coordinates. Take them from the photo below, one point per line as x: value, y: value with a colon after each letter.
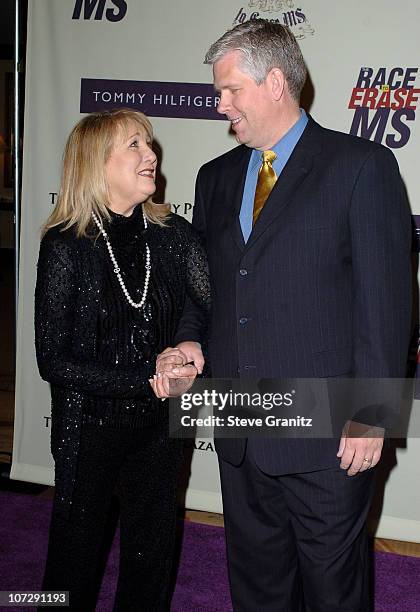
x: 223, y: 105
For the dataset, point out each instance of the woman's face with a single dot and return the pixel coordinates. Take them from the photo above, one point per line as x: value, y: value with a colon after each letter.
x: 131, y: 171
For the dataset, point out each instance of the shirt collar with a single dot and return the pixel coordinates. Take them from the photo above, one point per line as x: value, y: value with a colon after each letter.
x: 286, y: 144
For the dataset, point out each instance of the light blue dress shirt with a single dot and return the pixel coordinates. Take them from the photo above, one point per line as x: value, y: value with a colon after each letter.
x: 283, y: 149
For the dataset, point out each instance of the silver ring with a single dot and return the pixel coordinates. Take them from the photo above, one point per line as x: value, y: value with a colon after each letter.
x: 367, y: 460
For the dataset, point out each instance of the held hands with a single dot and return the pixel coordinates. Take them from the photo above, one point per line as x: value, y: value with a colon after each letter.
x: 177, y: 369
x: 190, y: 351
x: 360, y: 447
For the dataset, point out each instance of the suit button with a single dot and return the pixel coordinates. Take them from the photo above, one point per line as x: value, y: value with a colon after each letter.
x: 243, y: 320
x: 243, y: 272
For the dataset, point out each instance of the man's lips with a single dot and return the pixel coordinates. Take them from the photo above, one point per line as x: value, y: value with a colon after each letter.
x: 235, y: 120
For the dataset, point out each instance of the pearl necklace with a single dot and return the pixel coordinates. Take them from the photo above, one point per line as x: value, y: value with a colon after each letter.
x: 148, y: 267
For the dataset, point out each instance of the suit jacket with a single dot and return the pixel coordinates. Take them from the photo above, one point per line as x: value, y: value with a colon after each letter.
x: 322, y: 288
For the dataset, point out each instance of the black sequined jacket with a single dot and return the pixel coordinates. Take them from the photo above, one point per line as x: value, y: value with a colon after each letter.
x: 95, y: 349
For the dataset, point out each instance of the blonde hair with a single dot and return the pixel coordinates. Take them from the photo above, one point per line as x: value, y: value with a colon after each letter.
x: 83, y: 187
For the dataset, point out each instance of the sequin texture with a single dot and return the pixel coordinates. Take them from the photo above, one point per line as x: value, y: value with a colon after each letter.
x: 94, y: 348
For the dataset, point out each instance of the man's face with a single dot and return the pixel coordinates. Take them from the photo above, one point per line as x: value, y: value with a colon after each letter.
x: 248, y: 106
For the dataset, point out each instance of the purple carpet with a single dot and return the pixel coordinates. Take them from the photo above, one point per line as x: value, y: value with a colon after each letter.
x: 202, y: 578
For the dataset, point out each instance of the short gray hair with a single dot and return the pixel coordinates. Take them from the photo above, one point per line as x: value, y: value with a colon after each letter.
x: 264, y: 46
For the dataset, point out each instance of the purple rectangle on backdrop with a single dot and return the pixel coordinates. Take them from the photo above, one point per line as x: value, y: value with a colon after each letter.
x: 154, y: 98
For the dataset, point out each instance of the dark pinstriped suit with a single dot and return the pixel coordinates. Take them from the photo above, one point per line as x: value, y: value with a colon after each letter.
x: 322, y: 288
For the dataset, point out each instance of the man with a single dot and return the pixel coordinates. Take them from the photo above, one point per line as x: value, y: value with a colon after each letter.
x: 308, y: 239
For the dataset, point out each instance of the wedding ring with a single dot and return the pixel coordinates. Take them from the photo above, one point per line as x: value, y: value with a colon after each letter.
x: 367, y: 460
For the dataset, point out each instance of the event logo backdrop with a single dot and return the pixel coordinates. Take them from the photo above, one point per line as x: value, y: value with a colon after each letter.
x: 384, y: 100
x: 88, y: 9
x: 277, y: 11
x: 89, y: 54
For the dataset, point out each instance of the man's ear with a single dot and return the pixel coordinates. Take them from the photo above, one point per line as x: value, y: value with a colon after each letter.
x: 277, y: 82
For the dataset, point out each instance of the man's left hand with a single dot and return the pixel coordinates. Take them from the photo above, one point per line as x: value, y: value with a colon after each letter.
x: 184, y: 352
x: 360, y: 447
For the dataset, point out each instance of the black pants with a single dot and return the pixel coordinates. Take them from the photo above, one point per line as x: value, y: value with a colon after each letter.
x: 297, y: 541
x: 141, y: 467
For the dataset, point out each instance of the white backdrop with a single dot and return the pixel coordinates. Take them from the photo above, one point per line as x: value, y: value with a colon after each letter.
x: 149, y: 55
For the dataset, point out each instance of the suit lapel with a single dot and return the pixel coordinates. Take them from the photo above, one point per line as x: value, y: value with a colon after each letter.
x: 236, y: 182
x: 294, y: 173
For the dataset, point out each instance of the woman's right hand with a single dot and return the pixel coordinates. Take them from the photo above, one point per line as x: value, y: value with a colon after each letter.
x: 174, y: 380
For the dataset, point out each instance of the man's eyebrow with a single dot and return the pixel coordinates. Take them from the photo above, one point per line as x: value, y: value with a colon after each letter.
x: 232, y: 85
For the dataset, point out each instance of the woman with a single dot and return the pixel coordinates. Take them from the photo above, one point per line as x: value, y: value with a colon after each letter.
x: 114, y: 271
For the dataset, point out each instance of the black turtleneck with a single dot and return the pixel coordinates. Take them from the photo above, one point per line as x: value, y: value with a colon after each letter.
x: 91, y: 344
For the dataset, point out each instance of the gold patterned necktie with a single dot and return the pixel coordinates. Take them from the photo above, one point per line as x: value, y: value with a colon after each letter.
x: 266, y: 180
